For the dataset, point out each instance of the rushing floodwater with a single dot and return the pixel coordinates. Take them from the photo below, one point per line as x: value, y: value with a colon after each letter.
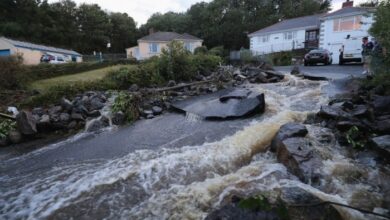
x: 189, y: 168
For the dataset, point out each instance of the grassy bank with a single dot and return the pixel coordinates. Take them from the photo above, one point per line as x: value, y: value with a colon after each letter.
x: 89, y: 76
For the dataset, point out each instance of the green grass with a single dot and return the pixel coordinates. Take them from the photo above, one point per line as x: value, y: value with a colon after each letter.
x: 94, y: 75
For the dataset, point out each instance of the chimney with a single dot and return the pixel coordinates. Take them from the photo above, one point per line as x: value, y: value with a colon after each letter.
x: 347, y: 3
x: 151, y: 30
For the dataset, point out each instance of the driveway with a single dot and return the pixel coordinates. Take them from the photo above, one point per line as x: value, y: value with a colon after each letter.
x: 331, y: 71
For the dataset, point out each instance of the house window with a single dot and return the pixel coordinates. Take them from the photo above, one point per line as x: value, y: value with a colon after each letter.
x: 311, y: 35
x: 347, y: 23
x: 188, y: 46
x: 153, y: 47
x: 263, y: 39
x: 290, y: 35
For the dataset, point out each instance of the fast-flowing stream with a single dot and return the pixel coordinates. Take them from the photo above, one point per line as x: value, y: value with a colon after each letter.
x: 172, y: 167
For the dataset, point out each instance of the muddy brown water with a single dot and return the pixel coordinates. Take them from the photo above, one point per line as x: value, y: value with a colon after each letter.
x: 174, y: 166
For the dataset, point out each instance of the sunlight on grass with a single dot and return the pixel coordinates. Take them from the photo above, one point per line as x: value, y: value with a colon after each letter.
x: 93, y: 75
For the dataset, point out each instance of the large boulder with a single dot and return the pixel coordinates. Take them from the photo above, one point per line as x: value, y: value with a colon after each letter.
x: 118, y: 118
x: 26, y: 123
x: 381, y: 105
x: 382, y: 144
x: 66, y: 104
x: 299, y: 202
x: 97, y: 124
x: 234, y: 104
x: 288, y: 130
x: 15, y: 137
x: 234, y: 212
x: 301, y: 159
x: 272, y: 73
x: 333, y: 112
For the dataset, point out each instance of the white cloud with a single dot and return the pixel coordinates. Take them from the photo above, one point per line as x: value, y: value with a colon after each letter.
x: 141, y: 10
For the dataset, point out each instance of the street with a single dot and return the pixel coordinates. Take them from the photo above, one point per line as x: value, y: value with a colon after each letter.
x: 331, y: 71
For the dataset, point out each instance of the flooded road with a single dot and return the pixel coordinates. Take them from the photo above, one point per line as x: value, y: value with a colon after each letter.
x: 171, y: 167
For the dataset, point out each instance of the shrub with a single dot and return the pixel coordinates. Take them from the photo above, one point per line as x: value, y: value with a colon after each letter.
x: 217, y: 51
x: 203, y: 62
x: 128, y: 104
x: 125, y: 76
x: 174, y: 63
x: 6, y: 126
x: 281, y: 58
x: 200, y: 50
x: 10, y: 72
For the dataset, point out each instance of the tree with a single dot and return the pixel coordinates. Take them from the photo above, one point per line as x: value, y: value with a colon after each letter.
x: 123, y: 32
x: 94, y: 27
x: 381, y: 27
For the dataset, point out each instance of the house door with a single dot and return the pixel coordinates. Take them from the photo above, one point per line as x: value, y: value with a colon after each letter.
x: 311, y: 39
x: 4, y: 53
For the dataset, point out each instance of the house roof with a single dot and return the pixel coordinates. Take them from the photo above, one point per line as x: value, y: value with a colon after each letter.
x: 168, y: 36
x: 310, y: 21
x: 27, y: 45
x: 346, y: 11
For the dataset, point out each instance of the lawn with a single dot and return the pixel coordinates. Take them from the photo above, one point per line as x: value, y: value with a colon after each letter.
x: 42, y: 85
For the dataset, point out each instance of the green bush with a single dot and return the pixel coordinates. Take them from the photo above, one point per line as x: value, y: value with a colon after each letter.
x: 10, y: 72
x: 217, y: 51
x: 128, y: 104
x: 281, y: 58
x: 174, y: 62
x: 203, y: 62
x: 125, y: 76
x: 6, y: 126
x: 200, y: 50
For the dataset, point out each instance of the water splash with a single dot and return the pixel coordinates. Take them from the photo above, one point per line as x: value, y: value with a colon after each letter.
x: 186, y: 182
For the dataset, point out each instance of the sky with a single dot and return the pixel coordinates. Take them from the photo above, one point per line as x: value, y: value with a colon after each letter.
x: 141, y: 10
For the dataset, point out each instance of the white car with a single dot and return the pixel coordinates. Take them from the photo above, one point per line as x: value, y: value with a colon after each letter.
x: 57, y: 60
x: 52, y: 59
x: 351, y: 50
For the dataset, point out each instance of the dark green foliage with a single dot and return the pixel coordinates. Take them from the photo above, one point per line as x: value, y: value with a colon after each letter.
x: 257, y: 203
x: 6, y: 126
x: 10, y: 71
x: 354, y: 137
x: 84, y: 28
x: 381, y: 58
x: 227, y: 22
x: 128, y: 104
x: 175, y: 63
x: 217, y: 51
x: 281, y: 58
x: 261, y: 203
x: 204, y: 62
x: 200, y: 50
x: 87, y: 27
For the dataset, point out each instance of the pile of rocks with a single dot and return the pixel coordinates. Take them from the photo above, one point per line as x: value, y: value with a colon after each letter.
x: 369, y: 114
x: 256, y: 75
x: 66, y: 116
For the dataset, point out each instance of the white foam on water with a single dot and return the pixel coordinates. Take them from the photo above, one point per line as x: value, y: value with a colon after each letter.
x: 179, y: 183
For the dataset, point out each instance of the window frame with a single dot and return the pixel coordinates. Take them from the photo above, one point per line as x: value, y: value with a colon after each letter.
x: 153, y: 46
x: 338, y: 22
